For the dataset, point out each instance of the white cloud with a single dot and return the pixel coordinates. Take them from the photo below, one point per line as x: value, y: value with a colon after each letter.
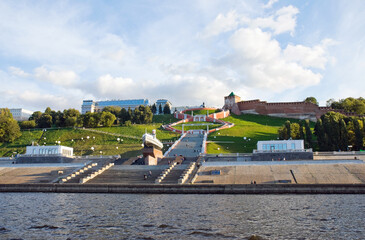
x: 64, y: 78
x: 18, y: 72
x: 259, y: 62
x: 270, y: 3
x: 108, y: 85
x: 284, y: 20
x: 222, y: 23
x: 315, y: 57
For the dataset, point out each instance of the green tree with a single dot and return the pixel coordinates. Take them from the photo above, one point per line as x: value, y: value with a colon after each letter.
x: 308, y: 134
x: 90, y: 120
x: 359, y: 137
x: 48, y: 111
x: 148, y: 115
x: 311, y: 100
x: 70, y: 121
x: 288, y: 130
x: 154, y: 108
x: 294, y: 131
x: 344, y: 142
x: 166, y: 109
x: 107, y: 119
x: 27, y: 124
x: 9, y: 128
x: 160, y: 109
x: 301, y: 131
x: 129, y: 114
x: 123, y: 115
x: 115, y: 110
x: 45, y: 121
x: 137, y: 116
x: 36, y: 116
x: 320, y: 133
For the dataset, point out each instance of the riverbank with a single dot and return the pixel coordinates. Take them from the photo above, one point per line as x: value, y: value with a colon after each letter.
x: 189, y: 189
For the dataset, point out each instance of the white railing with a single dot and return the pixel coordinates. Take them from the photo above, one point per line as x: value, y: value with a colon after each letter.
x: 165, y: 172
x: 204, y: 144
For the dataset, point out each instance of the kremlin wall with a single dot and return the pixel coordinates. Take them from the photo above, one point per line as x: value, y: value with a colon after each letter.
x: 298, y: 110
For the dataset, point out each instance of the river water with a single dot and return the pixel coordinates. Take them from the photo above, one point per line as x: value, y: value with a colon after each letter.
x: 149, y: 216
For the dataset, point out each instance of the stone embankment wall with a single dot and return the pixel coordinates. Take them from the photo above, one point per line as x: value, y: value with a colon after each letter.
x: 189, y: 189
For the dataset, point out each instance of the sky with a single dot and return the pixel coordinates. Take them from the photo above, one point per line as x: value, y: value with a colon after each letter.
x: 58, y: 53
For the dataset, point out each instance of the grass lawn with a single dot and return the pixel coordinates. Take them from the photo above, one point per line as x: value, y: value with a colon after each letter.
x: 253, y: 127
x: 108, y: 144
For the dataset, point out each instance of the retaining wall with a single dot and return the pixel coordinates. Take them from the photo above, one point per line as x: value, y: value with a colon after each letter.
x: 189, y: 189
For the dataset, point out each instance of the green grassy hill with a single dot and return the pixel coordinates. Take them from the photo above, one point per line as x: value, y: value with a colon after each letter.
x: 253, y: 127
x: 103, y: 143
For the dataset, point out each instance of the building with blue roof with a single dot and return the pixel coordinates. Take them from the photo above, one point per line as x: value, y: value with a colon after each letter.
x: 97, y: 106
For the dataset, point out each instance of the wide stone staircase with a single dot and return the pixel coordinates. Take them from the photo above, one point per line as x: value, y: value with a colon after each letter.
x: 92, y: 167
x: 132, y: 174
x: 173, y: 176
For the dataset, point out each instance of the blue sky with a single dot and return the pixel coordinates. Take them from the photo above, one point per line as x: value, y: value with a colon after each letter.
x: 57, y: 53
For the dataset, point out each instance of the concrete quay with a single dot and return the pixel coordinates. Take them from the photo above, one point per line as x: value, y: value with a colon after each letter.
x: 189, y: 189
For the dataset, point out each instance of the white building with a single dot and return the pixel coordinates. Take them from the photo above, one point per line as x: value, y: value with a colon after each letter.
x: 20, y: 114
x: 49, y: 151
x: 97, y: 106
x: 280, y: 146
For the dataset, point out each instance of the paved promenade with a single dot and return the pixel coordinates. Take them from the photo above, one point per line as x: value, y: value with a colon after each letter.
x: 301, y: 172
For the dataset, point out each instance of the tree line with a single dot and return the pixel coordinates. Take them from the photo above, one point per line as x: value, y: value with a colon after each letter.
x: 166, y: 109
x: 299, y: 130
x: 334, y: 132
x: 72, y: 118
x: 356, y: 105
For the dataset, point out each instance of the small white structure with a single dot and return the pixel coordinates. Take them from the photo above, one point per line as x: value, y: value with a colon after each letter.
x: 49, y: 151
x: 280, y: 146
x: 20, y: 114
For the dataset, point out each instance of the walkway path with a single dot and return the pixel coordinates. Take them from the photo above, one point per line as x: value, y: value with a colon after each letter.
x: 189, y: 146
